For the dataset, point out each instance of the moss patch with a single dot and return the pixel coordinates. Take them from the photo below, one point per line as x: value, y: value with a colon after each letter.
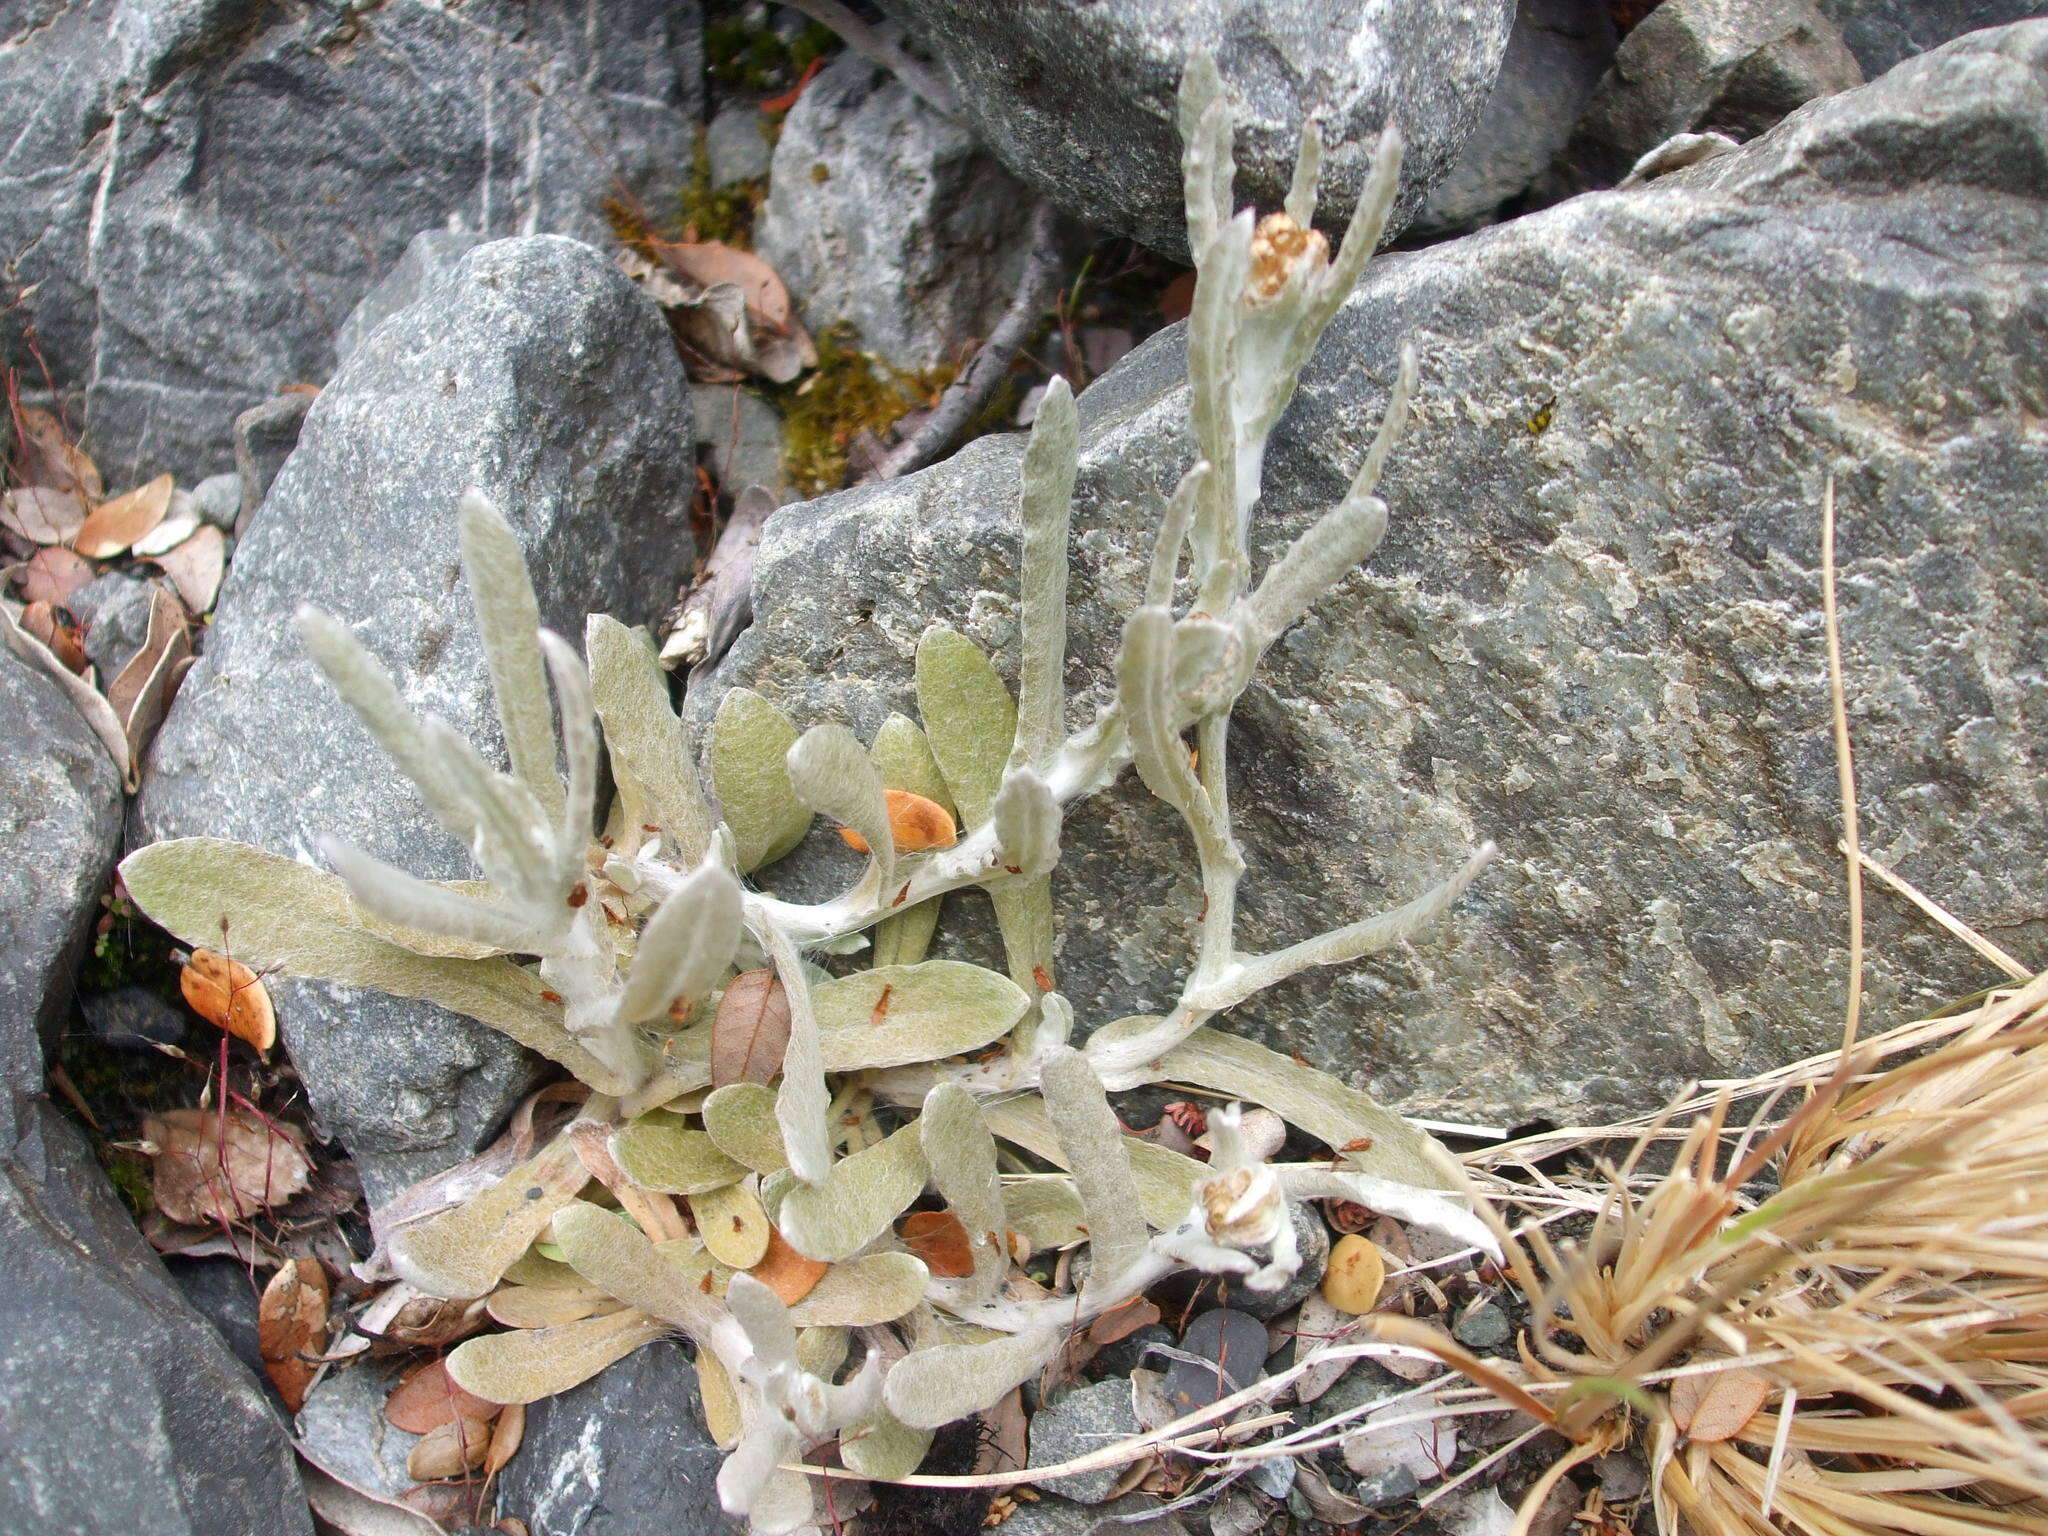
x: 743, y: 56
x: 850, y: 392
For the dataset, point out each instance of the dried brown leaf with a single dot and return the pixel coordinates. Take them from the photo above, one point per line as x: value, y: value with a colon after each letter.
x: 291, y: 1326
x: 141, y: 694
x: 1717, y: 1405
x: 222, y: 1165
x: 50, y: 458
x: 113, y: 525
x: 42, y: 514
x: 940, y: 1239
x: 195, y: 567
x: 751, y: 1030
x: 709, y: 262
x: 229, y: 996
x: 65, y: 641
x: 789, y: 1274
x: 425, y: 1399
x: 450, y: 1449
x: 506, y: 1437
x: 52, y: 575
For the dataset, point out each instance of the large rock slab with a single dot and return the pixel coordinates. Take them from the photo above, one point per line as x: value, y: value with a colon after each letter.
x: 539, y: 374
x: 120, y: 1409
x: 623, y: 1454
x: 60, y: 827
x: 884, y: 213
x: 1078, y: 98
x: 1881, y: 33
x: 1592, y: 633
x: 193, y: 196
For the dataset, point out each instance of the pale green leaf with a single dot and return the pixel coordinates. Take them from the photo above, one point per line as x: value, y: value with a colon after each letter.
x: 968, y: 719
x: 962, y: 1157
x: 876, y: 1288
x: 855, y: 1202
x: 531, y: 1364
x: 746, y: 756
x: 930, y: 1388
x: 464, y: 1251
x: 643, y: 735
x: 939, y: 1008
x: 1046, y: 1209
x: 508, y: 619
x: 822, y: 1351
x: 1045, y: 506
x: 299, y: 920
x: 1166, y: 1180
x: 660, y: 1151
x: 833, y: 774
x: 740, y: 1119
x: 403, y: 902
x: 618, y: 1258
x: 1094, y: 1148
x: 904, y: 759
x: 1027, y: 822
x: 732, y: 1224
x: 439, y: 945
x: 686, y: 947
x: 905, y: 936
x: 882, y: 1446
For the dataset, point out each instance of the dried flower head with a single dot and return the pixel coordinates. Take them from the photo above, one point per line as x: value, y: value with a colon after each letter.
x: 1279, y: 245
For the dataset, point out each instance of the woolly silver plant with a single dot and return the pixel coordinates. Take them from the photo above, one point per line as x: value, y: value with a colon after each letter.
x: 611, y: 955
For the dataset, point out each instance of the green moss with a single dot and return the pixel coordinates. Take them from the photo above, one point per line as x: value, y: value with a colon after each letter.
x: 849, y: 392
x: 719, y: 213
x: 742, y: 56
x: 130, y: 1180
x: 128, y: 950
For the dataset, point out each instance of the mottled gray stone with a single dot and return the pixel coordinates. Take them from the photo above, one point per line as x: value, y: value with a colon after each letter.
x: 539, y: 374
x: 1079, y: 98
x: 623, y: 1454
x: 120, y: 1409
x: 736, y: 147
x: 883, y: 213
x: 60, y: 826
x: 1735, y: 67
x: 194, y: 195
x: 218, y: 499
x: 429, y: 256
x: 224, y: 1293
x: 1556, y: 55
x: 344, y: 1432
x: 1312, y: 1242
x: 1882, y: 33
x: 1135, y: 1514
x: 1080, y: 1422
x: 739, y: 436
x: 132, y: 1019
x: 1592, y: 633
x: 1485, y: 1327
x: 114, y: 609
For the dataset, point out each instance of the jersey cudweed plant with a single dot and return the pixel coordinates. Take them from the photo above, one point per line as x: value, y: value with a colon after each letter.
x: 622, y: 956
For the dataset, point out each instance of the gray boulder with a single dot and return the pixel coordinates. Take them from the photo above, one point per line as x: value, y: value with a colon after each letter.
x: 429, y: 256
x: 123, y: 1410
x: 539, y: 374
x: 1083, y: 1420
x: 1592, y: 632
x: 622, y: 1454
x: 1556, y: 56
x: 60, y: 824
x: 882, y: 212
x: 1882, y: 33
x: 1734, y: 67
x: 193, y: 196
x: 1078, y: 98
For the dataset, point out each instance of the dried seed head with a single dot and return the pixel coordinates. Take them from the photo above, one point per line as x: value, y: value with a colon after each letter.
x: 1243, y: 1208
x: 1279, y: 245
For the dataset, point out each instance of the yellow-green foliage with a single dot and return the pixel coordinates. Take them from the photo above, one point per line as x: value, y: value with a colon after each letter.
x: 849, y: 392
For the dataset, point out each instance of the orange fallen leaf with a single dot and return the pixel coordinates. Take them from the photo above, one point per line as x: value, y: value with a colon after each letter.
x: 41, y: 513
x: 1716, y: 1406
x: 1121, y: 1322
x: 113, y: 525
x: 786, y: 1272
x: 195, y: 567
x: 425, y: 1399
x: 710, y: 262
x: 52, y: 575
x: 65, y: 641
x: 291, y: 1324
x: 229, y: 996
x: 917, y: 824
x: 750, y: 1031
x: 221, y: 1166
x: 940, y: 1239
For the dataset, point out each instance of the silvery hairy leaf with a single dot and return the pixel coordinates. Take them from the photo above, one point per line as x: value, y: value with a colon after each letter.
x: 465, y: 1250
x: 528, y: 1365
x: 686, y: 946
x: 1045, y: 509
x: 740, y: 1119
x: 900, y: 1014
x: 508, y: 621
x: 1094, y: 1145
x: 968, y: 719
x: 930, y: 1388
x: 855, y: 1202
x: 661, y: 1151
x: 618, y: 1258
x: 832, y: 774
x: 648, y: 751
x: 745, y: 756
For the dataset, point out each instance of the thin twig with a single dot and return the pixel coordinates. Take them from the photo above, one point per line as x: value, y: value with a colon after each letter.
x: 968, y: 393
x: 876, y: 49
x: 1945, y: 918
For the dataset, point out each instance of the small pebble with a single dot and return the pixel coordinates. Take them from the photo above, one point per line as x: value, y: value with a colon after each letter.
x: 1356, y: 1275
x: 1235, y: 1340
x: 1485, y: 1326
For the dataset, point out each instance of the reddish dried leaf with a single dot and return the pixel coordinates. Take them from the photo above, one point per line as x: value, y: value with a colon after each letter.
x: 706, y: 262
x: 229, y: 996
x: 195, y: 567
x: 1177, y: 298
x: 789, y: 1274
x: 917, y: 824
x: 65, y: 641
x: 1347, y: 1216
x: 49, y: 458
x: 1121, y: 1322
x: 113, y: 525
x: 52, y: 575
x: 506, y: 1437
x: 750, y: 1031
x: 215, y: 1165
x: 425, y: 1399
x: 451, y: 1506
x: 1717, y: 1406
x: 42, y: 514
x: 938, y: 1238
x: 291, y: 1325
x: 449, y: 1450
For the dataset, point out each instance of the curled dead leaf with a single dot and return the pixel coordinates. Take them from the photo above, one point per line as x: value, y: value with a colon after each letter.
x: 229, y: 996
x: 750, y: 1031
x: 940, y: 1239
x: 222, y: 1165
x: 195, y: 566
x: 52, y: 575
x: 449, y: 1450
x: 114, y: 525
x: 50, y: 458
x: 506, y: 1435
x: 65, y: 641
x: 425, y: 1399
x: 141, y: 695
x: 291, y: 1326
x: 1716, y: 1405
x: 917, y: 824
